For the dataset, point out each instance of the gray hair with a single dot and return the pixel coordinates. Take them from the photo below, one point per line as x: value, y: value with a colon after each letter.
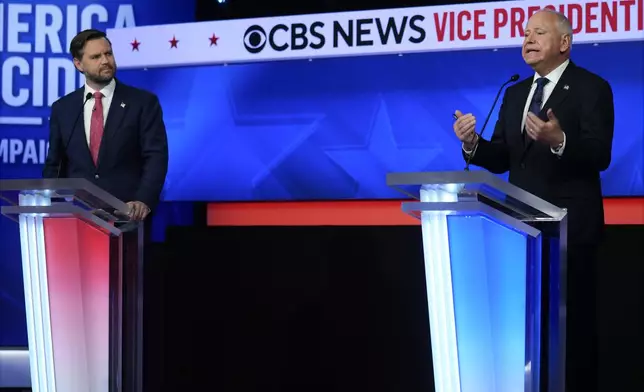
x: 563, y: 23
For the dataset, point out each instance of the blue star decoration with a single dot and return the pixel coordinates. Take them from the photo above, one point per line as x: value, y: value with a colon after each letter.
x: 233, y: 149
x: 370, y: 163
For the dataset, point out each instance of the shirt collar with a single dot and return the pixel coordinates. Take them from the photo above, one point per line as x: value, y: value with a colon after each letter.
x: 554, y: 76
x: 107, y: 91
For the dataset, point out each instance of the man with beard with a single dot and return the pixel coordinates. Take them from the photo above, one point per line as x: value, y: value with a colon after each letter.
x: 107, y: 132
x: 554, y: 135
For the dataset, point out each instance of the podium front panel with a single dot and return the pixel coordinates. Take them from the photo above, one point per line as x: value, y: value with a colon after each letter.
x: 483, y: 306
x: 82, y: 269
x: 67, y: 267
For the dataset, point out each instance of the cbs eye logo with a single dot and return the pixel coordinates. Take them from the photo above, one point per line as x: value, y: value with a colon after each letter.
x: 255, y: 39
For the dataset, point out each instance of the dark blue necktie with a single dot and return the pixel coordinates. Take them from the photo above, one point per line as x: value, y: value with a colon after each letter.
x: 535, y: 104
x: 537, y: 98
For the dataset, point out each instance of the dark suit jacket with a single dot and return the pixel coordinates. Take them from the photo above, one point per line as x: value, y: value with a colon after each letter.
x: 133, y: 157
x: 583, y: 104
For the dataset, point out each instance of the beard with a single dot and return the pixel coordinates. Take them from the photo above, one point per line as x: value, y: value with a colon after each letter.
x: 101, y: 77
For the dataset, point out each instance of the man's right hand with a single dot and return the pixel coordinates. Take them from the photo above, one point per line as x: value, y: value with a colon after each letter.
x: 465, y: 129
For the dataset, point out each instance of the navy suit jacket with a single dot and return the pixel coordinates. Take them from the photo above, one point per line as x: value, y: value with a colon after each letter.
x: 583, y: 104
x: 133, y: 156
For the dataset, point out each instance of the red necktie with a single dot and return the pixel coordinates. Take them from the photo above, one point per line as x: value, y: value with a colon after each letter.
x: 96, y: 126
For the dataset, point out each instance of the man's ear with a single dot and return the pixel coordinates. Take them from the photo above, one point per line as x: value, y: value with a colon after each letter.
x: 78, y: 65
x: 564, y: 46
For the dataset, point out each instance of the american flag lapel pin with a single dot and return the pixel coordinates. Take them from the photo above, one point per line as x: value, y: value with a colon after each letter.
x: 123, y: 103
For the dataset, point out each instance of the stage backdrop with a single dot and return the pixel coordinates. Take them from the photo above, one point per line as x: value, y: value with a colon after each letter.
x: 314, y: 125
x: 332, y: 128
x: 310, y: 116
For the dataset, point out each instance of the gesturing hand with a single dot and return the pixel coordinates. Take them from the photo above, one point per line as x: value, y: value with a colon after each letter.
x: 548, y: 132
x: 465, y: 128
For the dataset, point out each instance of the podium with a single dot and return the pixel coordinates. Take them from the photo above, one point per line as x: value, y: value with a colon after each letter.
x: 495, y: 267
x: 82, y: 270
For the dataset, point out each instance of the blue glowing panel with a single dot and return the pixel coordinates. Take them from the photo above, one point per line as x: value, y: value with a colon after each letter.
x: 488, y: 263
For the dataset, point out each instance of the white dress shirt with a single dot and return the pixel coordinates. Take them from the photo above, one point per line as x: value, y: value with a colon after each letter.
x: 553, y: 78
x: 108, y: 94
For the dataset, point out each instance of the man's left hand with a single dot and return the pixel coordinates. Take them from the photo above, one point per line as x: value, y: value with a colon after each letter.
x: 548, y: 132
x: 138, y: 210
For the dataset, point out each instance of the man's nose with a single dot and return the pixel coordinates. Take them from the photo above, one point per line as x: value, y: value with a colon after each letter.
x: 529, y: 38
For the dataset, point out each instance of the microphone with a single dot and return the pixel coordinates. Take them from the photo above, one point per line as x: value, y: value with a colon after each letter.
x: 69, y: 138
x: 513, y: 79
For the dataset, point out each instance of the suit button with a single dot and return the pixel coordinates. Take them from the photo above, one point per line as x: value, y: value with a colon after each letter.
x: 522, y: 167
x: 96, y: 176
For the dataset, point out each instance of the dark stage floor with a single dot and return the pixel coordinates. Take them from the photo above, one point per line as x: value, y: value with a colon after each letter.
x: 334, y: 309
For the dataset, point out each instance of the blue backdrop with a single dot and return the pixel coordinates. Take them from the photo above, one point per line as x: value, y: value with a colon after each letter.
x: 333, y: 128
x: 325, y: 129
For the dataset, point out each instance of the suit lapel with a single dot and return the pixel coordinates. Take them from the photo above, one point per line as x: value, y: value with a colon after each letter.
x: 517, y: 119
x: 115, y: 116
x: 559, y: 94
x: 116, y: 113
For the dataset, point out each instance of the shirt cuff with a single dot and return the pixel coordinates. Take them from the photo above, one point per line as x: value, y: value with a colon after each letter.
x: 560, y: 150
x: 470, y: 152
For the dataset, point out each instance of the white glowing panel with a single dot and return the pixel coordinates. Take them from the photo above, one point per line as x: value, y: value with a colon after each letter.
x: 439, y: 291
x: 34, y: 266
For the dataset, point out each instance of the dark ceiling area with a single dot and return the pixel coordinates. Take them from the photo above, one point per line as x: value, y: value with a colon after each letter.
x: 239, y: 9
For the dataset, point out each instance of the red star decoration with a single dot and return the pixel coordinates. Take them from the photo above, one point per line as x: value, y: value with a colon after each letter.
x: 135, y: 45
x: 213, y: 40
x: 173, y: 42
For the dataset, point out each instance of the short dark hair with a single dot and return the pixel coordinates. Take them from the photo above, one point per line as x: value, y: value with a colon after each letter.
x: 78, y: 43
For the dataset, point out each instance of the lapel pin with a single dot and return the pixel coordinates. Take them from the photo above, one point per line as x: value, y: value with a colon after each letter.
x: 123, y: 103
x: 566, y: 87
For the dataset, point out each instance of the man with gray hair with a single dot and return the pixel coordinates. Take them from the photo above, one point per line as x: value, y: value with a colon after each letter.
x: 554, y: 135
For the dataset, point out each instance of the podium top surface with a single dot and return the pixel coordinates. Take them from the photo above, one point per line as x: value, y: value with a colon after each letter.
x: 65, y: 197
x: 481, y: 185
x: 62, y: 188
